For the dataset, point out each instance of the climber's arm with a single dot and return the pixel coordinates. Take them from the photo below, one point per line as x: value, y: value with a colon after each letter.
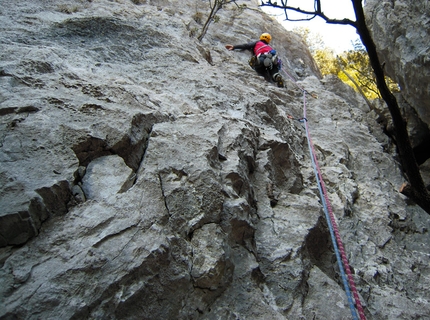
x: 245, y: 46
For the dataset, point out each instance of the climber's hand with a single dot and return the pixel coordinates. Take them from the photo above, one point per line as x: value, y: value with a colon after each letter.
x: 229, y: 47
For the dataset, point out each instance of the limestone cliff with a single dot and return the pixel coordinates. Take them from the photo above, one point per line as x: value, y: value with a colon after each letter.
x: 147, y: 175
x: 401, y: 30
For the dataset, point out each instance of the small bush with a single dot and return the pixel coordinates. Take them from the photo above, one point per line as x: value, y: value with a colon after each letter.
x: 193, y: 32
x: 198, y: 17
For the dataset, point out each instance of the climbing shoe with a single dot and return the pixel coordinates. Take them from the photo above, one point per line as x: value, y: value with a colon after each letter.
x: 279, y: 81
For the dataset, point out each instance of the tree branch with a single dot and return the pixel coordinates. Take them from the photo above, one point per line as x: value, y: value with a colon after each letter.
x: 357, y: 86
x: 316, y: 13
x: 217, y: 5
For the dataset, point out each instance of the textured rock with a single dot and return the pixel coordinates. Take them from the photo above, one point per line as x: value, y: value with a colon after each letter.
x: 211, y: 264
x: 105, y: 176
x: 401, y: 33
x: 147, y: 175
x: 425, y: 169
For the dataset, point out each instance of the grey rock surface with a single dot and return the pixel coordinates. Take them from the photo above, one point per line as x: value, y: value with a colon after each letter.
x: 105, y: 176
x: 147, y: 175
x: 402, y: 34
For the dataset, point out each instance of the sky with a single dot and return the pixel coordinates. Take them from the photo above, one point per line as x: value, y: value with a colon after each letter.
x: 337, y: 37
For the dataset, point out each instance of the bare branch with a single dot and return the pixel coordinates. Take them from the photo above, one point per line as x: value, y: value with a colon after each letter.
x: 316, y: 13
x: 318, y: 5
x: 215, y: 7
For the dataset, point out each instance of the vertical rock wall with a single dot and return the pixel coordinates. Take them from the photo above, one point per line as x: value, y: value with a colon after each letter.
x: 147, y: 175
x: 401, y: 32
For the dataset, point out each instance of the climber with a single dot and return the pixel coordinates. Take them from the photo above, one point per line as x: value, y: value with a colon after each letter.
x: 265, y: 60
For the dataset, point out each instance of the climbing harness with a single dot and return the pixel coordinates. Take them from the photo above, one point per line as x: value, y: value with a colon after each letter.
x: 268, y: 60
x: 342, y: 261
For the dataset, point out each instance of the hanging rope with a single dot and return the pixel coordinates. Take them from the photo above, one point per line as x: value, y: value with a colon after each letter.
x: 347, y: 280
x: 313, y: 95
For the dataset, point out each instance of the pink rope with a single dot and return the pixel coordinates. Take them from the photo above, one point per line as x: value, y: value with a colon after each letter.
x: 334, y: 225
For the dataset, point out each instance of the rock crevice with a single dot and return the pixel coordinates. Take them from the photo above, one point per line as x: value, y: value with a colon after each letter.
x: 145, y: 174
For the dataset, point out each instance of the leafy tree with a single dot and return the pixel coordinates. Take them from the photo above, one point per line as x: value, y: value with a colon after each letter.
x: 326, y: 61
x: 355, y: 64
x: 352, y: 67
x: 415, y: 187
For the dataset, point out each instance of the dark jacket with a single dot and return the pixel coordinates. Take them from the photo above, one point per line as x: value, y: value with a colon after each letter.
x: 250, y: 46
x: 258, y: 62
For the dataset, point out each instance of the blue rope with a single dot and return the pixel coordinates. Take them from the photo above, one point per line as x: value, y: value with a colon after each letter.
x: 330, y: 226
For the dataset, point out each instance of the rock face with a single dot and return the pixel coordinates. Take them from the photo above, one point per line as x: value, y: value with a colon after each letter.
x: 402, y: 34
x: 147, y: 175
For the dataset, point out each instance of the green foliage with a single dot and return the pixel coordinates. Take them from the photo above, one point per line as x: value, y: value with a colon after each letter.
x: 392, y: 85
x: 357, y: 65
x: 326, y: 61
x: 352, y: 67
